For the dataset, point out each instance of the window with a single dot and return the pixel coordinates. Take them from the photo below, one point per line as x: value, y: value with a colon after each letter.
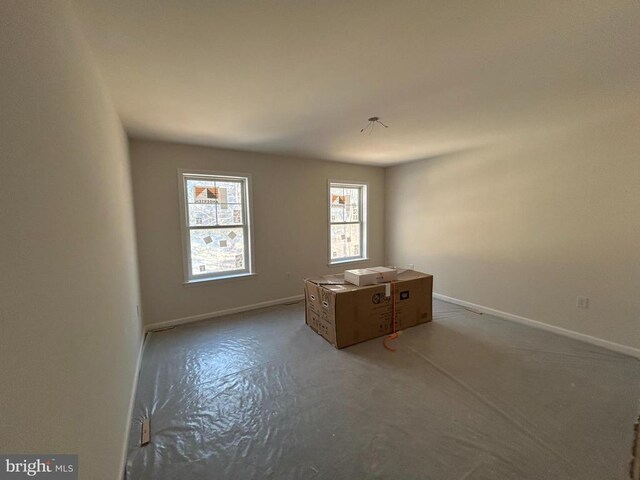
x: 216, y: 232
x: 347, y: 222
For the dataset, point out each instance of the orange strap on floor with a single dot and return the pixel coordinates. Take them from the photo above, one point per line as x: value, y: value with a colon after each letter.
x: 393, y: 335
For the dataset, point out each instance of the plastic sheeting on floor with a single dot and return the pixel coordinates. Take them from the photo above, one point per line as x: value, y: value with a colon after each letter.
x: 261, y: 396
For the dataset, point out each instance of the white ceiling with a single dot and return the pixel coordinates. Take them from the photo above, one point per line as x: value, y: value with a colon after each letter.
x: 302, y: 76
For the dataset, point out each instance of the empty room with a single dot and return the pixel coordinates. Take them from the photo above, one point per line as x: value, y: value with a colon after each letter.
x: 329, y: 239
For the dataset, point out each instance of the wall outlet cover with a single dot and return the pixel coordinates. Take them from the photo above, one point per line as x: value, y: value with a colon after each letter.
x: 582, y: 302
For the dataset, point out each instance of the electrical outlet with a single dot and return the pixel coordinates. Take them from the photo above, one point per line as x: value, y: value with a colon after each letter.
x: 411, y: 266
x: 582, y: 302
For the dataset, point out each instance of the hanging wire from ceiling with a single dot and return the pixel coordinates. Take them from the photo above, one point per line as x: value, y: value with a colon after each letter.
x: 372, y: 124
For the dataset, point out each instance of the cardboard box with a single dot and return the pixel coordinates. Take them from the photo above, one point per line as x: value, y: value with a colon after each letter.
x: 346, y: 314
x: 361, y: 277
x: 385, y: 274
x: 370, y: 276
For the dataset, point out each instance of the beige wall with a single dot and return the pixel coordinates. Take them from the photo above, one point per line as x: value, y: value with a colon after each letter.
x: 290, y: 225
x: 526, y: 225
x: 69, y: 336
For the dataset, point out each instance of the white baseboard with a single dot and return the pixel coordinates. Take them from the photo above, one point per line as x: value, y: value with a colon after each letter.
x: 132, y: 399
x: 616, y: 347
x: 220, y: 313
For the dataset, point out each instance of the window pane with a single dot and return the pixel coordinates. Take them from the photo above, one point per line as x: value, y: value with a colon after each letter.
x: 201, y: 199
x: 202, y: 215
x: 201, y: 191
x: 231, y: 192
x: 352, y: 196
x: 345, y: 204
x: 217, y: 250
x: 345, y: 241
x: 338, y: 197
x: 229, y: 214
x: 351, y: 213
x: 214, y: 202
x: 337, y: 213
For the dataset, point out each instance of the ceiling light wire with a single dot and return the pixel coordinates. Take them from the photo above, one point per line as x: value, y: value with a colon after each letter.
x: 372, y: 124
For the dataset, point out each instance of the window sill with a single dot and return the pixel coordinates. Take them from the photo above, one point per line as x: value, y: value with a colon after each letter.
x: 347, y: 262
x: 205, y: 281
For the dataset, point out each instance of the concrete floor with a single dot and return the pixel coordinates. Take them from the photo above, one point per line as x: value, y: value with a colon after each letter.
x: 466, y: 397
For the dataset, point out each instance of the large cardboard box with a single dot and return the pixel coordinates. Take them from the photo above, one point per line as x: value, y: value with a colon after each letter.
x: 346, y: 314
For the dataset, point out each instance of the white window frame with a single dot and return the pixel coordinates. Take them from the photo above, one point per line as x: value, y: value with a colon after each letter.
x: 245, y: 179
x: 363, y: 187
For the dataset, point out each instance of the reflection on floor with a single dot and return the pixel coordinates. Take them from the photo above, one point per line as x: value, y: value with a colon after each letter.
x: 259, y: 395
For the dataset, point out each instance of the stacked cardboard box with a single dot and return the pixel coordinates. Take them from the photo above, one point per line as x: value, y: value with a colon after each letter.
x: 345, y: 314
x: 370, y: 276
